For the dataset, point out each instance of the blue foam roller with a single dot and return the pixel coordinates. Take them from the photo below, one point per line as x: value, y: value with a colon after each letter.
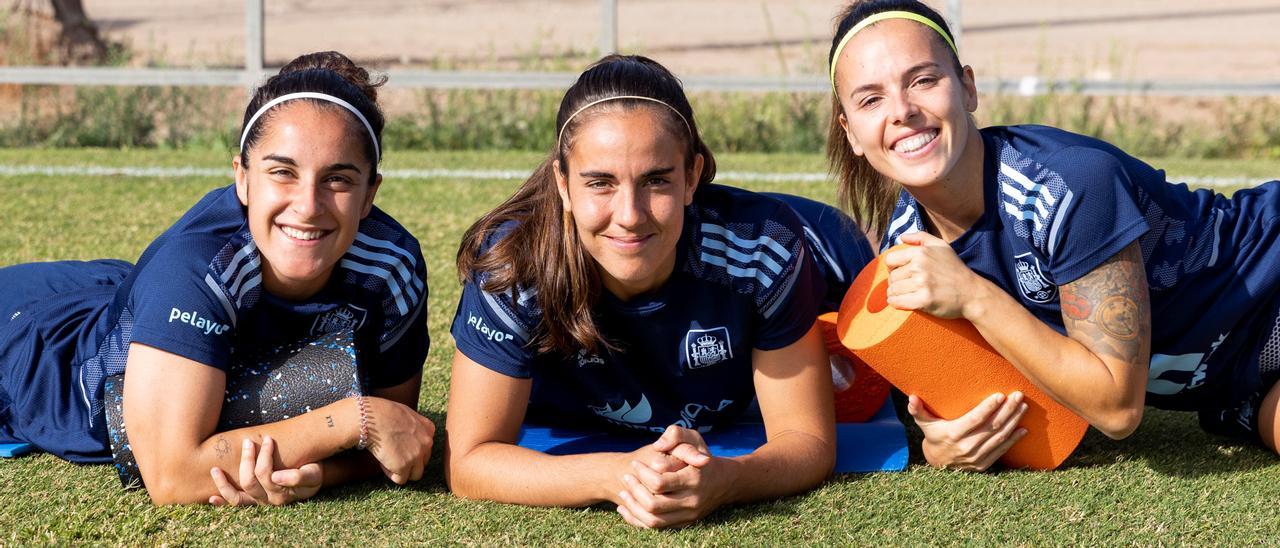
x: 878, y: 445
x: 10, y: 450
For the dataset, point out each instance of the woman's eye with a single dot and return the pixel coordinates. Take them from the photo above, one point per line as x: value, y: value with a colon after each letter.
x: 926, y: 81
x: 597, y: 183
x: 869, y: 102
x: 657, y: 181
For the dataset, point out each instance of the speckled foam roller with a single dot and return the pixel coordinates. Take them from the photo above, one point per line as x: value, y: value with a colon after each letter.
x: 951, y: 367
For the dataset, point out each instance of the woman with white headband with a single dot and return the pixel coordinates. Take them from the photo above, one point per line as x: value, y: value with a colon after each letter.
x: 294, y: 249
x: 620, y: 291
x: 1107, y: 286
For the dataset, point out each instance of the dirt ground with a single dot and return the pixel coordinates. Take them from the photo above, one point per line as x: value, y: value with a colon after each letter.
x: 1167, y: 40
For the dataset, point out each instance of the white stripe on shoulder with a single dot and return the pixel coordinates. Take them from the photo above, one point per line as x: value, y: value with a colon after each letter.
x: 750, y: 245
x: 736, y: 271
x: 760, y: 256
x: 247, y: 270
x: 1217, y: 237
x: 902, y: 220
x: 1052, y: 245
x: 234, y: 264
x: 253, y: 282
x: 784, y: 292
x: 406, y: 276
x: 387, y: 245
x: 501, y: 313
x: 397, y: 292
x: 222, y: 297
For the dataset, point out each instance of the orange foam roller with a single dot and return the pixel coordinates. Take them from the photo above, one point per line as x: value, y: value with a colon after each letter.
x: 951, y: 367
x: 860, y: 391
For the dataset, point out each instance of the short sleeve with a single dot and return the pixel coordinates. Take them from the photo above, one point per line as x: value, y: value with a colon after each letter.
x: 1095, y: 218
x: 493, y: 329
x: 787, y: 307
x: 179, y: 306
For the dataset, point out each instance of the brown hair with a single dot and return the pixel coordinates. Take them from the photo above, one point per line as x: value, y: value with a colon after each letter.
x: 327, y: 72
x: 542, y: 251
x: 862, y: 191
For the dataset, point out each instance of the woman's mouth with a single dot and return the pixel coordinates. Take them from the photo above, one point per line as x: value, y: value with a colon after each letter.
x: 302, y: 235
x: 915, y: 143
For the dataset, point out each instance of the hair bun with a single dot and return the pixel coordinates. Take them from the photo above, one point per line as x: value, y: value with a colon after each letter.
x: 340, y: 64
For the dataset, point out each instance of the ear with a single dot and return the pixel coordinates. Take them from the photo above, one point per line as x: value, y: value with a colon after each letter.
x: 373, y: 191
x: 848, y: 135
x: 695, y: 179
x: 970, y: 89
x: 242, y: 180
x: 562, y: 186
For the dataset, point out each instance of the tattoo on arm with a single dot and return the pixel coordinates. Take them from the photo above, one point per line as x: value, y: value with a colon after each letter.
x: 222, y: 447
x: 329, y: 419
x: 1109, y: 310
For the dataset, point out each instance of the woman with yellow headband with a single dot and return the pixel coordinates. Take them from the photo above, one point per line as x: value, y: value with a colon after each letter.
x: 1105, y: 285
x: 620, y: 291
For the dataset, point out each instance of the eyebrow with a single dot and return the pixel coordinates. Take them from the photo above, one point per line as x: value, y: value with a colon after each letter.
x: 607, y: 175
x: 332, y: 167
x: 869, y: 87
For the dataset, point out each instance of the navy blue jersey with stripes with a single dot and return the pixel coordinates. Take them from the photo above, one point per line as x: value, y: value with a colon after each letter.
x: 196, y: 292
x: 1057, y: 205
x: 749, y: 275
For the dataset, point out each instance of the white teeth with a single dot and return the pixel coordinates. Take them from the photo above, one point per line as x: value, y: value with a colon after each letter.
x: 302, y: 234
x: 915, y: 142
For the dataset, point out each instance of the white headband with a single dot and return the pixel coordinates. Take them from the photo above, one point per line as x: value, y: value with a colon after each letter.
x: 377, y: 152
x: 560, y: 135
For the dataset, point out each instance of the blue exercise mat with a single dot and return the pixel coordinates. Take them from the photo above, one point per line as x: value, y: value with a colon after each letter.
x: 878, y: 445
x: 10, y: 450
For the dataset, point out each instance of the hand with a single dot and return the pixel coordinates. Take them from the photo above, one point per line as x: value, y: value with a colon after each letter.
x: 929, y: 277
x: 677, y: 491
x: 399, y: 438
x: 260, y: 484
x: 974, y: 441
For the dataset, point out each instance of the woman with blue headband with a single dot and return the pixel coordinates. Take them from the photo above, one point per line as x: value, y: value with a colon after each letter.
x: 621, y: 292
x: 1104, y: 284
x: 294, y: 249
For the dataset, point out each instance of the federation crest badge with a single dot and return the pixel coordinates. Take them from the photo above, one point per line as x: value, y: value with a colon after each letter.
x: 348, y: 316
x: 707, y: 347
x: 1035, y: 286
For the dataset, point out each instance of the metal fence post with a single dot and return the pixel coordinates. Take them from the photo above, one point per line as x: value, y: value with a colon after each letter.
x: 608, y: 27
x: 953, y: 19
x: 253, y: 49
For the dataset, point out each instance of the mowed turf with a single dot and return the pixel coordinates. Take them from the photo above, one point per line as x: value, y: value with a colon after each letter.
x: 1168, y: 483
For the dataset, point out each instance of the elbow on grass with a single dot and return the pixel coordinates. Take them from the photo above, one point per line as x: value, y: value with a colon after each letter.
x: 1119, y: 424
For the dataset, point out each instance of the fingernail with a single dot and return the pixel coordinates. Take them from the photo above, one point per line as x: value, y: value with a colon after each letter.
x: 1022, y: 408
x: 247, y: 445
x: 266, y: 439
x: 213, y: 472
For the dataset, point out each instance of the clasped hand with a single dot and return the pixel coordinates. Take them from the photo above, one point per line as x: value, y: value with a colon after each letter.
x: 673, y: 481
x: 928, y: 276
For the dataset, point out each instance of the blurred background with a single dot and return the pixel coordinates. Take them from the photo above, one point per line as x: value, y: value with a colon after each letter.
x: 1158, y: 77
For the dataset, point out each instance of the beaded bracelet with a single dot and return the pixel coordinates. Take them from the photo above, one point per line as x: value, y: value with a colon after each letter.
x: 363, y: 407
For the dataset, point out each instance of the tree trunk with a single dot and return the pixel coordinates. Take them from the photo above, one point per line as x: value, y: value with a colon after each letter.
x: 79, y: 41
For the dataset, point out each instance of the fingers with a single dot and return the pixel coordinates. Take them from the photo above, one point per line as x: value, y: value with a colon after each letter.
x: 309, y: 475
x: 1010, y: 412
x: 981, y: 415
x: 641, y: 508
x: 915, y: 408
x: 227, y: 495
x: 248, y: 479
x: 998, y: 450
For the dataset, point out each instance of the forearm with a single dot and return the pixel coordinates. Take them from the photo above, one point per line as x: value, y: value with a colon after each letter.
x: 790, y: 463
x: 1062, y: 367
x: 178, y: 472
x: 505, y: 472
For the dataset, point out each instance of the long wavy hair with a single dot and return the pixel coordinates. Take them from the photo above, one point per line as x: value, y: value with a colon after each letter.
x: 542, y: 252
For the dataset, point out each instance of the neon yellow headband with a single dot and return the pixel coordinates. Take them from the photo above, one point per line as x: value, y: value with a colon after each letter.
x: 910, y: 16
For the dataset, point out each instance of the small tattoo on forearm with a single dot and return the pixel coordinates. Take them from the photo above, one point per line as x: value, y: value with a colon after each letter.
x: 329, y: 419
x: 1118, y: 317
x: 223, y: 447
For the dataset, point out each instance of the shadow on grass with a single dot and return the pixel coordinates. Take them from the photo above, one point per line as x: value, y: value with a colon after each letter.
x: 1172, y: 443
x: 1168, y: 442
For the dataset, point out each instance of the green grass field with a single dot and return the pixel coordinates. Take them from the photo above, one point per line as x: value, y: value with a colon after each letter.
x: 1167, y: 484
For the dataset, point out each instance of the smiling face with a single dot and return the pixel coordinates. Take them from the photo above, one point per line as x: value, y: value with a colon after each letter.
x: 905, y: 108
x: 627, y: 187
x: 306, y: 188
